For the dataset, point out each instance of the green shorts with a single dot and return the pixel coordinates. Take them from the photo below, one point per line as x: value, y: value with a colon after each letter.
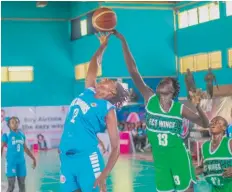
x: 174, y: 170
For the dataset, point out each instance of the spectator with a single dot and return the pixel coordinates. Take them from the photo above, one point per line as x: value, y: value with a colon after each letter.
x: 127, y: 127
x: 132, y: 126
x: 42, y: 142
x: 121, y: 126
x: 134, y: 133
x: 142, y: 138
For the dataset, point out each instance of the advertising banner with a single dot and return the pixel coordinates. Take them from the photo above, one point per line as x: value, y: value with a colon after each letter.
x: 41, y: 125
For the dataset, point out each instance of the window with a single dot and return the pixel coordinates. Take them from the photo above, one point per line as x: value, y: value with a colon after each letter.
x: 80, y: 72
x: 215, y: 60
x: 214, y: 12
x: 202, y: 62
x: 228, y: 8
x: 209, y: 12
x: 203, y: 14
x: 183, y: 19
x: 4, y: 74
x: 17, y: 74
x: 20, y: 74
x: 83, y: 27
x: 192, y: 17
x: 186, y: 63
x: 230, y: 57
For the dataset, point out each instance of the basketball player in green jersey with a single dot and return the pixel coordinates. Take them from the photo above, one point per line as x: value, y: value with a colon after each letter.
x: 217, y: 157
x: 173, y: 167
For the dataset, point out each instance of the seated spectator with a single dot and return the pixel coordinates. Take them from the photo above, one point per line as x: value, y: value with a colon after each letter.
x: 121, y: 126
x: 139, y: 138
x: 127, y: 126
x: 132, y: 126
x: 134, y: 133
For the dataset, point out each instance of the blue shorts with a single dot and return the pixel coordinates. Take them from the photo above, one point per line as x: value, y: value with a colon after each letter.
x: 80, y: 171
x: 14, y: 168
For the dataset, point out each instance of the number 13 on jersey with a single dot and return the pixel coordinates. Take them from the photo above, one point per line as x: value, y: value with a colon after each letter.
x: 163, y: 139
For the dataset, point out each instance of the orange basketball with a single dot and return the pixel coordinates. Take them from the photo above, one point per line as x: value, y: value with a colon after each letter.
x: 104, y: 19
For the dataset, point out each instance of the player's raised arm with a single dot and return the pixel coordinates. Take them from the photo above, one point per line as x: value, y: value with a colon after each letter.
x: 133, y: 70
x: 111, y: 123
x: 200, y: 119
x: 96, y: 60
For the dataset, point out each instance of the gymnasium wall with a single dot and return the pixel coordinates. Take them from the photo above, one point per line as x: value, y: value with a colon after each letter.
x: 38, y: 37
x: 206, y: 37
x: 80, y: 8
x: 149, y: 33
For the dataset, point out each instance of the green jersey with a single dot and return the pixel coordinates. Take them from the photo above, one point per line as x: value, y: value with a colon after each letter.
x: 164, y: 128
x: 215, y: 162
x: 172, y: 162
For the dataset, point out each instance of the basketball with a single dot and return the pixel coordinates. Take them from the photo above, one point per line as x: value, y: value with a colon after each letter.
x: 104, y: 19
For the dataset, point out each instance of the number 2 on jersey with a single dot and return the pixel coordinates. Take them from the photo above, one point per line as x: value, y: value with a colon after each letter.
x: 75, y: 113
x: 163, y: 139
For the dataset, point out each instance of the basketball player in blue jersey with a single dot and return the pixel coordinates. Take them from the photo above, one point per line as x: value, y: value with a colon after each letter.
x: 15, y: 160
x: 82, y: 166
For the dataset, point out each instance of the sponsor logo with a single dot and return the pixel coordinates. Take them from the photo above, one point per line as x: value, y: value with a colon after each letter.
x: 62, y: 179
x: 93, y: 104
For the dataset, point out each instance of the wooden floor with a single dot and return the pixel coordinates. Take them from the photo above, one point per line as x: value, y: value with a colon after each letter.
x: 131, y: 174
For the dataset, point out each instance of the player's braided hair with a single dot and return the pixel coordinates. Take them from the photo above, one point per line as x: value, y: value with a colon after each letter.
x: 121, y: 96
x: 176, y: 86
x: 13, y: 117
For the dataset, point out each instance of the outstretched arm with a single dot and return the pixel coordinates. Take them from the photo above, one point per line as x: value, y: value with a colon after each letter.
x: 111, y: 122
x: 200, y: 119
x: 133, y: 70
x: 90, y: 80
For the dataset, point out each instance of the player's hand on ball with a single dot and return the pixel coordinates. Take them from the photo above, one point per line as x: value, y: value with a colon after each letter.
x: 103, y: 38
x: 117, y: 34
x: 227, y: 172
x: 101, y: 183
x: 34, y: 164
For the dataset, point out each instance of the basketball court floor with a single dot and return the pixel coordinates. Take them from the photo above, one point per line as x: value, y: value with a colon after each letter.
x: 131, y: 174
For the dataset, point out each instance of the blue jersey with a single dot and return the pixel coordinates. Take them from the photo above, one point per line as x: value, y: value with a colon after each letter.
x: 15, y: 145
x: 85, y: 118
x: 229, y: 131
